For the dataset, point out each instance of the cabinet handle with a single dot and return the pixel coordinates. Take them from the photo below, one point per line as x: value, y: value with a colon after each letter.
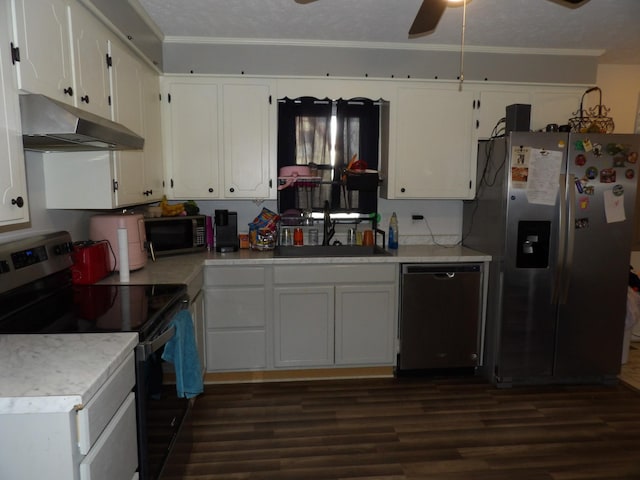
x: 210, y: 190
x: 232, y: 189
x: 85, y: 99
x: 19, y: 202
x: 68, y: 91
x: 403, y: 189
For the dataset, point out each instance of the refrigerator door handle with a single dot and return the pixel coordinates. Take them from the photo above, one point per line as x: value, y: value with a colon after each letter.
x: 571, y: 230
x: 562, y: 240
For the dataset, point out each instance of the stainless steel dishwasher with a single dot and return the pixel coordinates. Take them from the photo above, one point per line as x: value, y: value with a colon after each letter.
x: 440, y: 316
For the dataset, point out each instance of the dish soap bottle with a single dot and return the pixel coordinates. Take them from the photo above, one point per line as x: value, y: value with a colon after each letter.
x: 393, y: 231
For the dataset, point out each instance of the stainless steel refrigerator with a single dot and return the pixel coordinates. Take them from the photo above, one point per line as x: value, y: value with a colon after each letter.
x: 555, y: 211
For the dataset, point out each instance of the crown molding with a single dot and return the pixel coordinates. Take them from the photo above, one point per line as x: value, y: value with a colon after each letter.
x: 380, y: 46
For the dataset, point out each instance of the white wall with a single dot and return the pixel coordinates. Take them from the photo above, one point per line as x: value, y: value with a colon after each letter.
x: 442, y: 223
x: 620, y: 85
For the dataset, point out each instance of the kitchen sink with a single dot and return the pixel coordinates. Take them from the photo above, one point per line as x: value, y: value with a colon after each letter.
x: 329, y: 251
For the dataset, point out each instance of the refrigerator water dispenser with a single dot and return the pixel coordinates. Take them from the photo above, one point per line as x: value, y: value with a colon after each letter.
x: 533, y: 244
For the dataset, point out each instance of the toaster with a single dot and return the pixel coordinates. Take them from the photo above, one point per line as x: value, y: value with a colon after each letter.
x: 90, y: 262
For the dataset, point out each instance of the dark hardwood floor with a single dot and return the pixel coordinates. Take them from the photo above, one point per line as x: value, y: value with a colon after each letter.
x: 396, y: 429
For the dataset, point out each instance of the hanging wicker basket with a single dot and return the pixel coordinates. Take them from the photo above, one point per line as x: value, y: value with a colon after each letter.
x: 594, y: 119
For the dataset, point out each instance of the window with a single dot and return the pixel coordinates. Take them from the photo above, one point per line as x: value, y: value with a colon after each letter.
x: 328, y: 132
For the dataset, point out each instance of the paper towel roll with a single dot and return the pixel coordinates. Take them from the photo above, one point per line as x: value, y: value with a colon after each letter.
x: 123, y: 251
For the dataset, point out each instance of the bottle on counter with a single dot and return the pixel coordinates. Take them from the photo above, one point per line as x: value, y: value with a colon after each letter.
x: 393, y: 231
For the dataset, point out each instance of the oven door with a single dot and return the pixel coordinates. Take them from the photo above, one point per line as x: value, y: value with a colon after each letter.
x: 160, y: 413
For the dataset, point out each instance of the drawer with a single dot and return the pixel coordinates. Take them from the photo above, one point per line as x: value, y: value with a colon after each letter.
x: 235, y: 307
x: 316, y: 274
x: 115, y: 455
x: 97, y: 413
x: 221, y: 276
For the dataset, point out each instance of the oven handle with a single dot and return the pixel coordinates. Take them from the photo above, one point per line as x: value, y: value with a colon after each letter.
x: 145, y: 349
x: 162, y: 340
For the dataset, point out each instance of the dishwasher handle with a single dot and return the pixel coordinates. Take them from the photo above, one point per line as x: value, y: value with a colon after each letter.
x: 444, y: 271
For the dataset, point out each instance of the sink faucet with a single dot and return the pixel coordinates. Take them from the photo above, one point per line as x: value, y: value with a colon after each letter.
x: 328, y: 227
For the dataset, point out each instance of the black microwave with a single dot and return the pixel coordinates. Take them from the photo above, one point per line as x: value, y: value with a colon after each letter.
x: 173, y: 235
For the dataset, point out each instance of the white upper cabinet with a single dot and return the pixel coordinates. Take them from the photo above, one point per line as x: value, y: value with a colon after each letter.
x: 554, y: 105
x: 220, y: 138
x: 128, y: 110
x: 14, y: 206
x: 192, y: 139
x: 42, y: 35
x: 61, y: 52
x: 249, y: 119
x: 433, y: 155
x: 90, y: 49
x: 492, y: 107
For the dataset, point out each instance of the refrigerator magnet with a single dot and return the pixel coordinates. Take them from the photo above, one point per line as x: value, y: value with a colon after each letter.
x: 584, y: 203
x: 597, y: 149
x: 630, y: 173
x: 582, y: 223
x: 579, y: 185
x: 618, y: 190
x: 589, y: 190
x: 632, y: 157
x: 591, y: 173
x: 579, y: 146
x: 580, y: 160
x: 586, y: 145
x: 607, y: 175
x: 619, y: 161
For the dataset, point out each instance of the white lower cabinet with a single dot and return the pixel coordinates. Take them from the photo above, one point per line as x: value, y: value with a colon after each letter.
x: 236, y: 317
x: 96, y: 441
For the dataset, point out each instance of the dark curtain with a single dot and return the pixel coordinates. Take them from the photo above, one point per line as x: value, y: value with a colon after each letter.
x: 358, y: 131
x: 304, y: 136
x: 292, y: 113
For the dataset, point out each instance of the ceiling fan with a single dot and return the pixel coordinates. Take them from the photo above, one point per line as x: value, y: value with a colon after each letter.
x: 430, y: 12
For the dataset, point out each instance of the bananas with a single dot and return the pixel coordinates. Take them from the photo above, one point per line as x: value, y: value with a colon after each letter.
x: 171, y: 210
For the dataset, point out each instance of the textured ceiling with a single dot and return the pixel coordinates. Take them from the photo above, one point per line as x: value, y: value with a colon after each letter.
x: 610, y: 26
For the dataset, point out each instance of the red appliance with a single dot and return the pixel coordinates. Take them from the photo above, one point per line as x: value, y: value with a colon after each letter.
x: 90, y: 262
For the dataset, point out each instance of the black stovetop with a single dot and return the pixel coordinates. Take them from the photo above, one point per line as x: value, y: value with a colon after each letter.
x: 58, y: 306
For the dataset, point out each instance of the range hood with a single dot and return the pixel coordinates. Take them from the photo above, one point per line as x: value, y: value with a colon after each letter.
x: 49, y: 125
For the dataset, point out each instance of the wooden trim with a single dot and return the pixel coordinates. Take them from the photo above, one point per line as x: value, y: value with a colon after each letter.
x: 290, y: 375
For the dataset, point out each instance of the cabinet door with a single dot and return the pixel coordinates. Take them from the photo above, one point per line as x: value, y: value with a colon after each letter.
x: 434, y: 157
x: 127, y: 95
x: 304, y: 326
x: 13, y: 184
x: 554, y: 106
x: 192, y: 140
x: 247, y: 113
x: 41, y: 31
x: 153, y: 155
x: 91, y: 46
x: 365, y: 324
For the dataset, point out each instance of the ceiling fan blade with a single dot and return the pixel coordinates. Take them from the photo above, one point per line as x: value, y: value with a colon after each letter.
x: 570, y: 3
x: 427, y: 17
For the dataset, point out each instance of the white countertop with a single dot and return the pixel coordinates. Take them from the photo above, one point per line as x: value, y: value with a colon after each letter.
x: 185, y: 268
x: 57, y: 373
